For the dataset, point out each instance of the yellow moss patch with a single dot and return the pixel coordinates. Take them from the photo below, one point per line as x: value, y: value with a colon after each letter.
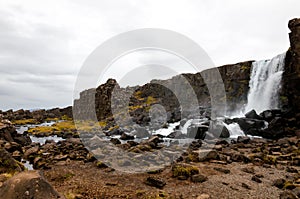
x: 65, y: 117
x: 184, y: 170
x: 151, y: 100
x: 25, y: 121
x: 65, y: 126
x: 138, y: 95
x: 51, y: 119
x: 103, y: 123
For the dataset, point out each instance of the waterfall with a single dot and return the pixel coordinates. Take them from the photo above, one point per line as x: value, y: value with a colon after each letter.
x: 265, y: 83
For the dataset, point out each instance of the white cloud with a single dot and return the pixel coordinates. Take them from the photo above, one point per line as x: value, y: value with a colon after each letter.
x: 44, y: 43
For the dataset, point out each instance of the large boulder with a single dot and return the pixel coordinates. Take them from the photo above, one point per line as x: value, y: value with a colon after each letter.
x: 253, y: 115
x: 248, y: 125
x: 27, y: 185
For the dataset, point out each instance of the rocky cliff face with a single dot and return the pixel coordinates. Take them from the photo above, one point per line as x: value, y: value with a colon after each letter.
x: 235, y: 78
x: 291, y: 76
x: 236, y: 82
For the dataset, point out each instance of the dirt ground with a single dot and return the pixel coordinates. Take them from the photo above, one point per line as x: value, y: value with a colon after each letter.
x: 84, y: 180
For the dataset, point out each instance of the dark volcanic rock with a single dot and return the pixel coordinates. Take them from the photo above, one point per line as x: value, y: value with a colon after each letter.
x: 253, y: 115
x: 155, y: 182
x: 199, y: 178
x: 197, y: 132
x: 126, y: 136
x: 290, y: 93
x: 7, y: 163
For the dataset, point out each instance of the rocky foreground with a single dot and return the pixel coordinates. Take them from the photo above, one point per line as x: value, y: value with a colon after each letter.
x: 241, y: 168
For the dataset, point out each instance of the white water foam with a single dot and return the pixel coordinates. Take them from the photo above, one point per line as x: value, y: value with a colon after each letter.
x: 265, y: 83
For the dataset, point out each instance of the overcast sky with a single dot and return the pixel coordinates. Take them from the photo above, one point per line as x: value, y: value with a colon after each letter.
x: 43, y: 44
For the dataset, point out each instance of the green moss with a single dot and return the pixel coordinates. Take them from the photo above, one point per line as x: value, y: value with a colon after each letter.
x: 138, y: 95
x: 283, y: 99
x: 182, y: 170
x: 103, y: 123
x: 68, y: 175
x: 192, y: 157
x: 65, y: 117
x: 133, y: 108
x: 65, y: 126
x: 25, y: 121
x: 150, y: 100
x: 52, y: 119
x: 243, y: 67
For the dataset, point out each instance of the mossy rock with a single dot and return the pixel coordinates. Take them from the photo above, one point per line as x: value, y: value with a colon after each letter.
x: 184, y: 170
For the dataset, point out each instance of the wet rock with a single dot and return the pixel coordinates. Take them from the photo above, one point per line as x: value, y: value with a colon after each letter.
x: 28, y: 185
x: 197, y: 132
x: 155, y: 182
x: 141, y: 132
x: 253, y: 115
x: 250, y: 126
x: 199, y: 178
x: 115, y: 141
x: 114, y: 132
x: 268, y: 115
x: 218, y: 129
x: 126, y: 136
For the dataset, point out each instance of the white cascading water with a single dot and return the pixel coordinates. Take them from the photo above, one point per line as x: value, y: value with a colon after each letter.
x: 264, y: 86
x: 265, y: 83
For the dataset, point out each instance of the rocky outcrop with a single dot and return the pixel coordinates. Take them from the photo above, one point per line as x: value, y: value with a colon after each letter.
x: 8, y: 134
x: 291, y: 76
x: 38, y: 115
x: 235, y: 78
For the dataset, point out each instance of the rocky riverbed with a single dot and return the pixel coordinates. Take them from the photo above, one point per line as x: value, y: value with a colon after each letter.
x: 232, y: 168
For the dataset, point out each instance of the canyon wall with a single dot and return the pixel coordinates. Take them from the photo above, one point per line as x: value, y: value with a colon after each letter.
x: 236, y: 82
x: 291, y: 76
